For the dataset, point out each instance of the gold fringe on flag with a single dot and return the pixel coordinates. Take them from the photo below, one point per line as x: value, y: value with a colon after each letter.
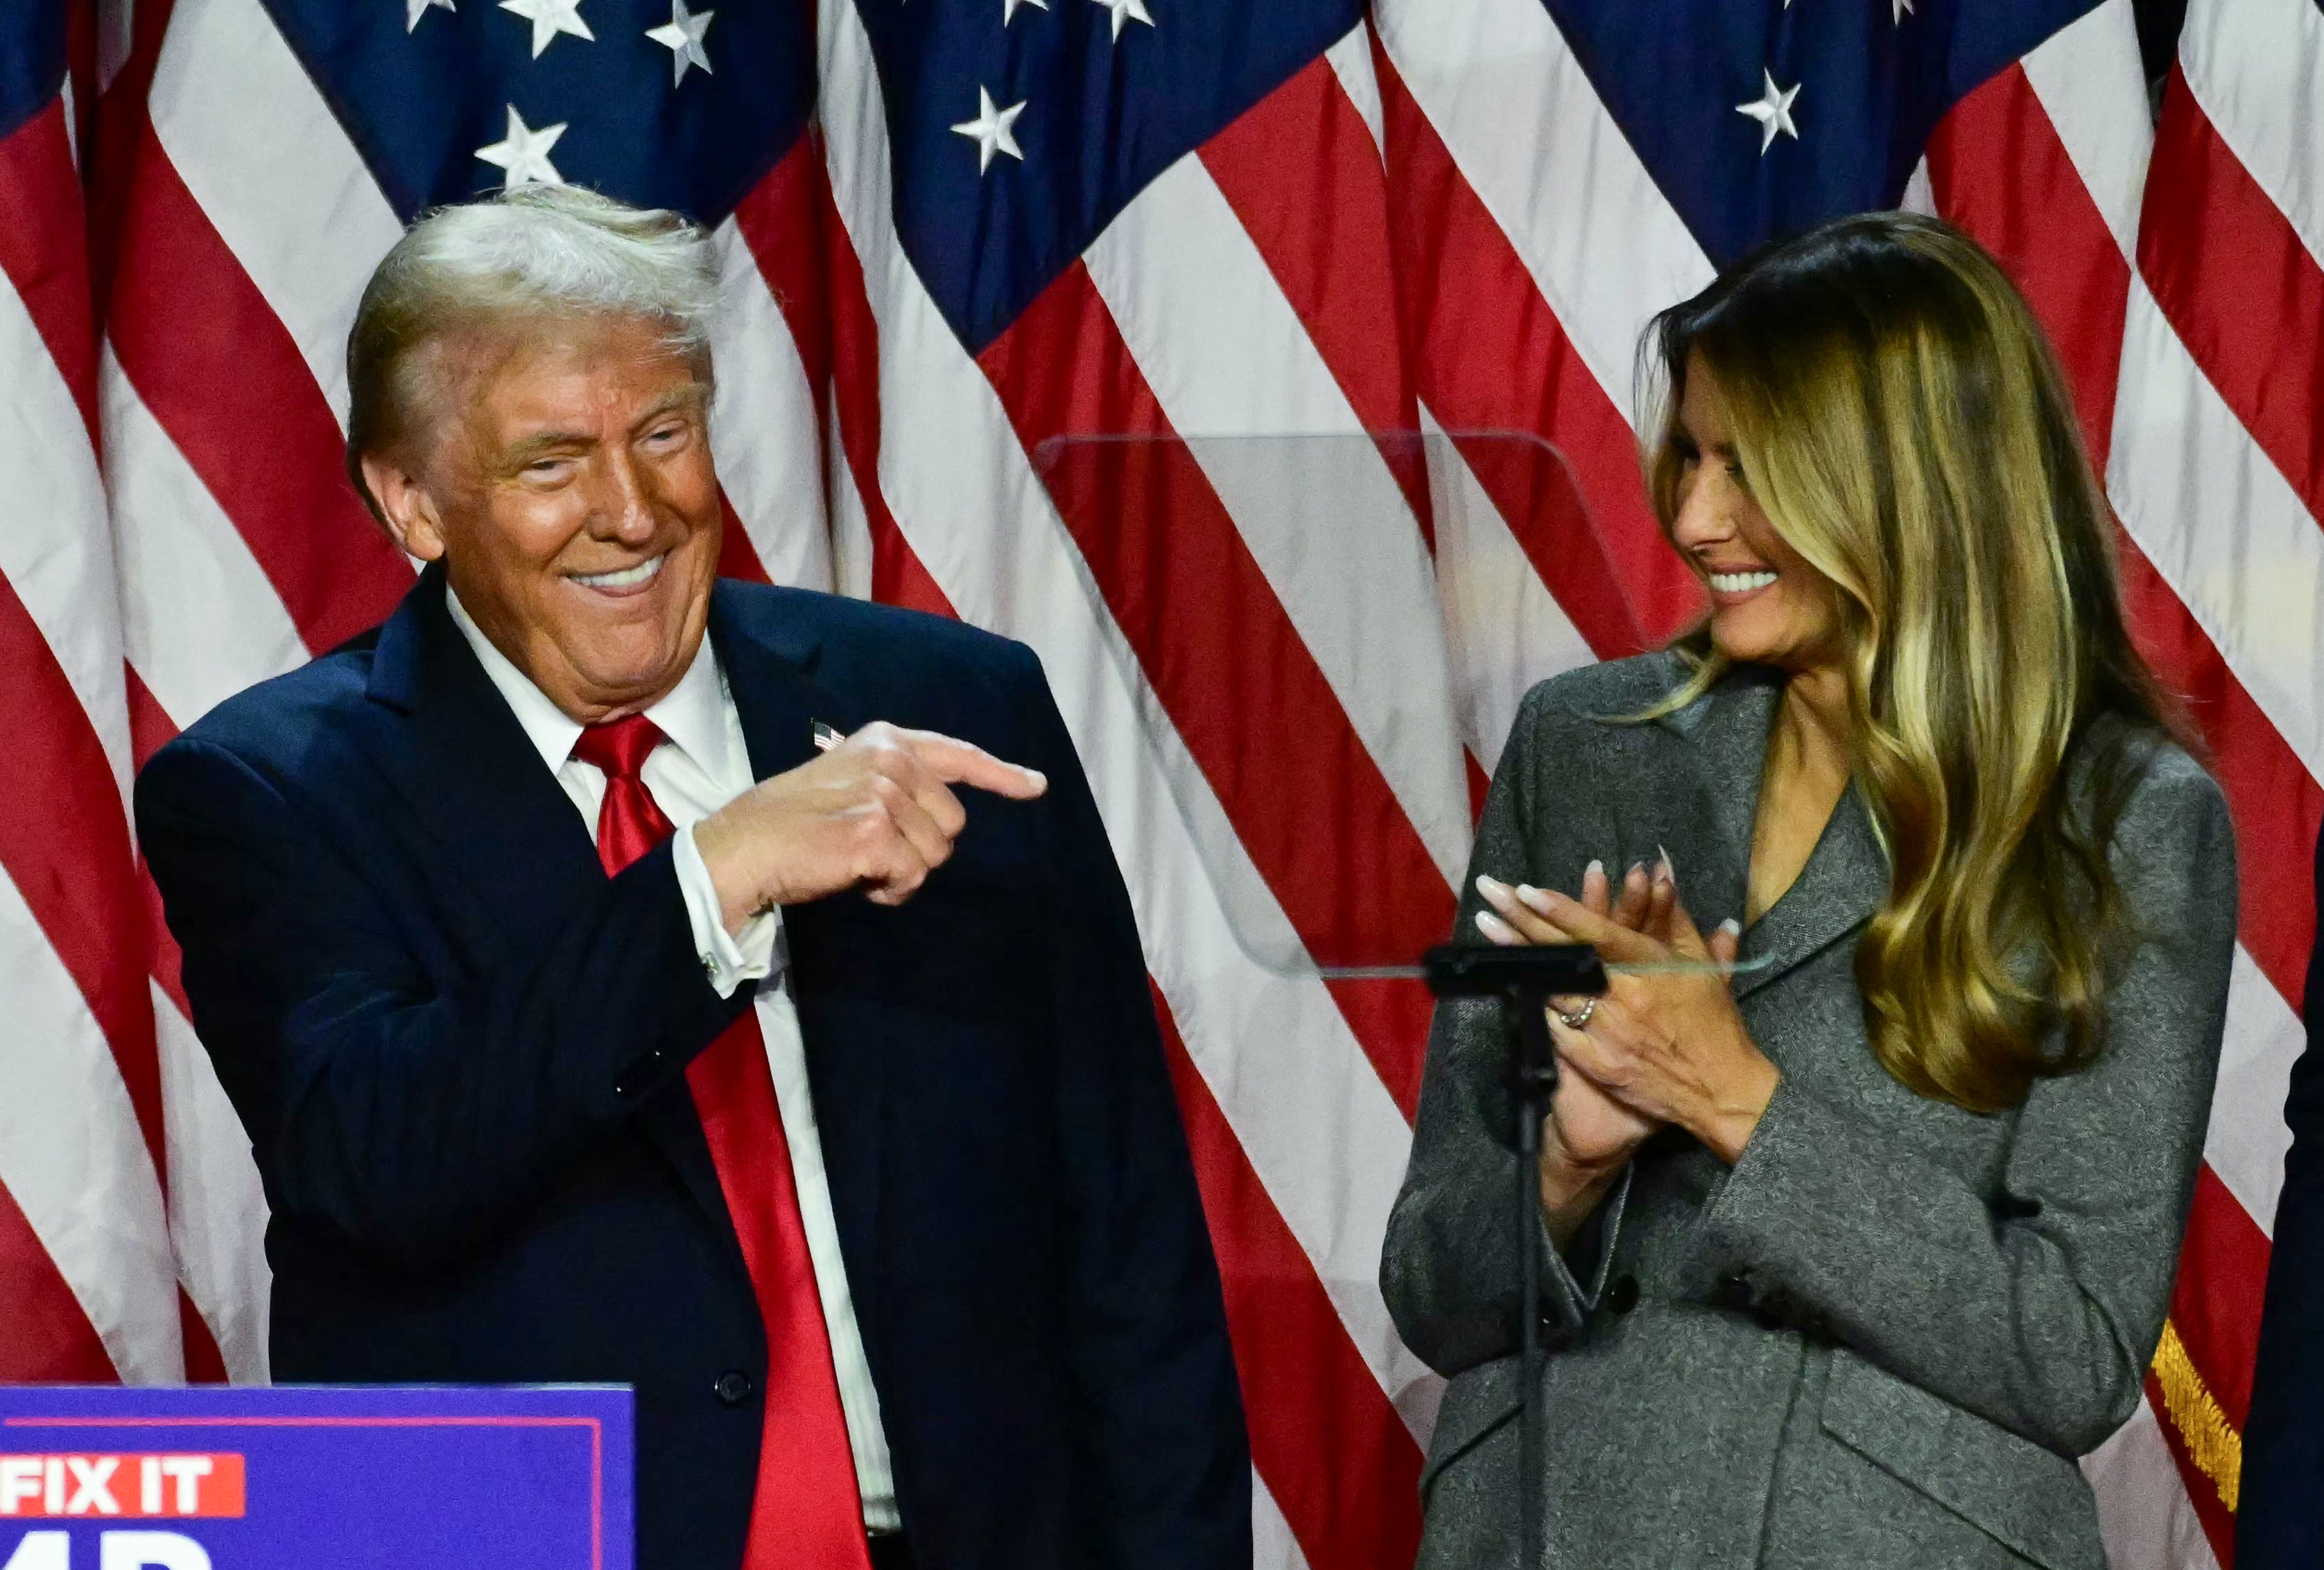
x: 2211, y: 1441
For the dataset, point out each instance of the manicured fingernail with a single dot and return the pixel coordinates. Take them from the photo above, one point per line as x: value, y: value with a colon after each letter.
x: 1663, y: 869
x: 1536, y: 900
x: 1490, y: 888
x: 1637, y: 873
x: 1596, y: 869
x: 1494, y: 927
x: 1732, y: 926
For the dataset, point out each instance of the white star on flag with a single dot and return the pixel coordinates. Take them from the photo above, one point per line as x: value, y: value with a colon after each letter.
x: 1773, y: 110
x: 413, y: 10
x: 683, y: 38
x: 1008, y: 9
x: 990, y: 129
x: 524, y: 153
x: 1126, y: 11
x: 549, y: 18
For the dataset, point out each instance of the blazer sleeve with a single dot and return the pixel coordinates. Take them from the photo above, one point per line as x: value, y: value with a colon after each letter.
x: 2279, y: 1518
x: 2038, y: 1309
x: 1450, y: 1270
x: 400, y: 1107
x: 1162, y: 1429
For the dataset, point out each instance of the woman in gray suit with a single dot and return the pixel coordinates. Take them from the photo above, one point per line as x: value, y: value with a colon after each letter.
x: 1856, y: 1254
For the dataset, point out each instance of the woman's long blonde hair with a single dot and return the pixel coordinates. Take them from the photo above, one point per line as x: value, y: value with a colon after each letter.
x: 1901, y: 420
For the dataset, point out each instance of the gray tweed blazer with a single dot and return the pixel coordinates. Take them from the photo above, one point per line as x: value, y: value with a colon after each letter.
x: 1884, y: 1336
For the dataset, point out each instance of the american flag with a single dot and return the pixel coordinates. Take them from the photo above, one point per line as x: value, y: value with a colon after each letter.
x: 954, y: 230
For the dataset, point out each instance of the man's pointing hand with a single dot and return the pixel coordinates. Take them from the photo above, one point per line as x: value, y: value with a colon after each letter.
x: 878, y: 810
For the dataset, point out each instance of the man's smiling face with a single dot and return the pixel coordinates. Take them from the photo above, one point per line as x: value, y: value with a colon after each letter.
x: 571, y: 492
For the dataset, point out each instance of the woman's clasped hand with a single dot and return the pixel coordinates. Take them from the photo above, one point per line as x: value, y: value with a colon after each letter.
x: 1659, y: 1046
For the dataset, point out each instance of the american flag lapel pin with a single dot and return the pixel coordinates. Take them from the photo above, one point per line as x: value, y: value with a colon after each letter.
x: 825, y: 737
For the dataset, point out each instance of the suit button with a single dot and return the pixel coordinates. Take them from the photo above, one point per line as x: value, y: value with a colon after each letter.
x: 733, y: 1388
x: 1623, y: 1295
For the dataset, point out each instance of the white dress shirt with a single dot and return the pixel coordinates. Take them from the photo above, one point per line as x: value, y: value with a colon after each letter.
x: 703, y: 764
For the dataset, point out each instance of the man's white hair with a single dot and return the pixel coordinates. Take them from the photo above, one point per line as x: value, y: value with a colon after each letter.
x: 538, y: 252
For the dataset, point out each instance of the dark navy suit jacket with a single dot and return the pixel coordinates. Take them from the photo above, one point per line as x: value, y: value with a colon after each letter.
x: 458, y: 1049
x: 2279, y: 1516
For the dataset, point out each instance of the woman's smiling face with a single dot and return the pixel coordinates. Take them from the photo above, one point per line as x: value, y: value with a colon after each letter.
x: 1768, y: 606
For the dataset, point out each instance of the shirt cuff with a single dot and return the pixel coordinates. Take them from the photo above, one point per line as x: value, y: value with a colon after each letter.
x: 727, y: 960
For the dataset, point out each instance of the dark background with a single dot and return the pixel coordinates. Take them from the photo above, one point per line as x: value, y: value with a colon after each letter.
x: 2158, y: 39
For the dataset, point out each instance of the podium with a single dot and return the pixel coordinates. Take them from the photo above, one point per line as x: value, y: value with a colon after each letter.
x: 214, y: 1478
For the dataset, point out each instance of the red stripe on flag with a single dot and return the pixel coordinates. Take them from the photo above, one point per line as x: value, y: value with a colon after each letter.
x: 2000, y: 172
x: 48, y: 1338
x: 64, y: 842
x: 793, y: 229
x: 2276, y: 804
x: 43, y: 252
x: 2218, y: 1521
x: 1302, y: 175
x: 2222, y: 1278
x: 737, y: 557
x: 220, y: 372
x: 2243, y: 293
x: 1998, y: 169
x: 205, y: 1364
x: 1353, y: 1498
x: 1490, y: 355
x: 1306, y: 799
x: 783, y: 219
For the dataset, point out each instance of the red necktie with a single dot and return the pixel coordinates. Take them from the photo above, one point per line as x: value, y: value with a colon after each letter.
x: 807, y: 1512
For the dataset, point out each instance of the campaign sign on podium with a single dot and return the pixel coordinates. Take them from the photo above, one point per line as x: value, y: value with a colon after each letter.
x: 356, y: 1478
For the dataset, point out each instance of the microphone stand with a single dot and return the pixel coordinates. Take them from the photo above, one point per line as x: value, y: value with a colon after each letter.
x: 1525, y: 980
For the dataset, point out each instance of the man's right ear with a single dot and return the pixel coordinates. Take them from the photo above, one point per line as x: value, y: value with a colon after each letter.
x: 405, y: 506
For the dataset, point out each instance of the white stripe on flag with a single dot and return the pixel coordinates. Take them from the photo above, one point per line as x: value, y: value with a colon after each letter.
x: 2257, y: 68
x: 964, y: 494
x: 762, y: 422
x: 55, y: 549
x: 851, y: 526
x: 275, y: 173
x: 1310, y: 493
x: 2092, y: 86
x: 74, y: 1160
x: 199, y: 620
x: 1273, y: 1547
x: 1506, y: 631
x: 1539, y: 146
x: 2220, y: 523
x: 2248, y: 1137
x: 1351, y: 60
x: 2147, y: 1523
x: 217, y: 1210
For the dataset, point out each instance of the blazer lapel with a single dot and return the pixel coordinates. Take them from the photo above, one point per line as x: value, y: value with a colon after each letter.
x: 1846, y: 874
x: 477, y: 787
x: 1844, y: 881
x: 474, y: 781
x: 1727, y: 728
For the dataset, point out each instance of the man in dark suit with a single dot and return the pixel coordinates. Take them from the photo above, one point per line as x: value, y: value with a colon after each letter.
x: 2280, y: 1514
x: 615, y: 987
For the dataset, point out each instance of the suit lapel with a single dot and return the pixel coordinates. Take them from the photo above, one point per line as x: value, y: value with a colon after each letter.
x: 1844, y: 881
x: 475, y: 783
x: 1846, y: 874
x: 477, y: 787
x: 1727, y: 730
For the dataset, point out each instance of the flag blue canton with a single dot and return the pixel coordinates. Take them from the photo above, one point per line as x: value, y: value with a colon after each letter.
x: 1109, y: 101
x: 1868, y: 79
x: 32, y: 57
x: 422, y: 85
